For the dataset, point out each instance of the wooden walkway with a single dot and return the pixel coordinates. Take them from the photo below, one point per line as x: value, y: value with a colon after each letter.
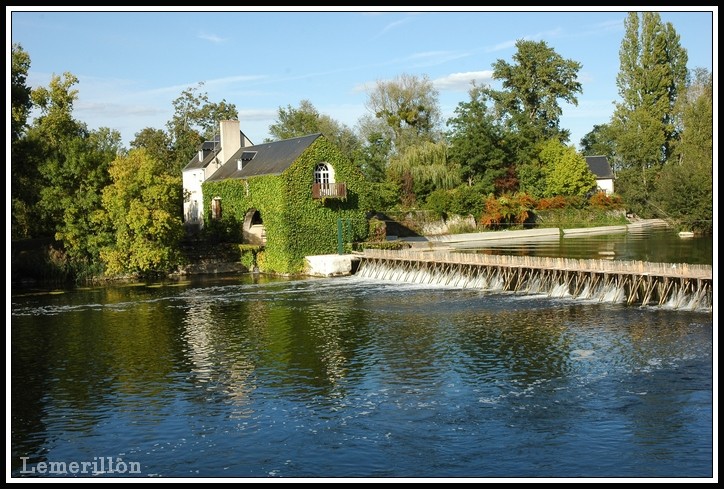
x: 678, y: 285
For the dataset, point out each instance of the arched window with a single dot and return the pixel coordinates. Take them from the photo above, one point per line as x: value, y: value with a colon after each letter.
x: 322, y: 175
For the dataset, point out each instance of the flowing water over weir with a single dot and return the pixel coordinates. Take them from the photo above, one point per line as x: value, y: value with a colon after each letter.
x: 675, y: 286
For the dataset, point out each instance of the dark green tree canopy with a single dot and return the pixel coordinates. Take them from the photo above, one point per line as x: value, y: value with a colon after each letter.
x: 533, y: 86
x: 476, y: 141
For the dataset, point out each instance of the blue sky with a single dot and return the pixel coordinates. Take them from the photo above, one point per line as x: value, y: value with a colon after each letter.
x: 132, y: 64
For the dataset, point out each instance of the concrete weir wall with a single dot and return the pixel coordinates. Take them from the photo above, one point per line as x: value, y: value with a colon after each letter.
x: 330, y: 265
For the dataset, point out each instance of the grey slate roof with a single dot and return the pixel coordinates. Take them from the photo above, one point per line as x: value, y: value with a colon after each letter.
x: 196, y: 163
x: 599, y: 166
x: 212, y: 147
x: 270, y: 159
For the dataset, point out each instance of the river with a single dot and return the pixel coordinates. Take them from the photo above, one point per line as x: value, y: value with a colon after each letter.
x: 253, y: 376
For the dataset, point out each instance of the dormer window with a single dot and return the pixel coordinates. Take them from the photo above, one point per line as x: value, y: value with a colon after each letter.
x: 246, y: 157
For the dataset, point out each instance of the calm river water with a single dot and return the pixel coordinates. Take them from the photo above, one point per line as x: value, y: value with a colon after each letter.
x: 258, y: 377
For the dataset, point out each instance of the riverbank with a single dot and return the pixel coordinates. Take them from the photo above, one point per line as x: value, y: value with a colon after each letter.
x: 472, y: 240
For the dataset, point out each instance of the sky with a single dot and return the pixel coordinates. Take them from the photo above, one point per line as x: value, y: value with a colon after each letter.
x: 131, y: 65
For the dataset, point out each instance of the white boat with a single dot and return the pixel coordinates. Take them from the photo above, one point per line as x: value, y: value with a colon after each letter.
x: 686, y: 234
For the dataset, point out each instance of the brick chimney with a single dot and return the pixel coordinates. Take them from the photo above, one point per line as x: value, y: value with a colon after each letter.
x: 230, y: 139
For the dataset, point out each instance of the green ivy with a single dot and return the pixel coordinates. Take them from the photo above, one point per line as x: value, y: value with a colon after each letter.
x: 296, y: 224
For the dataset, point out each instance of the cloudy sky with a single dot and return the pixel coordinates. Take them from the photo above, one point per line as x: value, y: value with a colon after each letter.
x: 132, y: 64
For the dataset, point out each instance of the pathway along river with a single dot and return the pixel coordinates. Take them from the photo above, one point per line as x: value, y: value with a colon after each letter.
x: 258, y: 377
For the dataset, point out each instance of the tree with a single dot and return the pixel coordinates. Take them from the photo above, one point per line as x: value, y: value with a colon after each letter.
x: 374, y: 153
x: 421, y: 169
x: 651, y: 77
x: 23, y: 168
x: 306, y: 119
x: 476, y: 142
x: 684, y: 187
x: 697, y: 136
x: 158, y: 144
x: 143, y: 203
x: 409, y: 107
x: 56, y: 123
x: 195, y: 119
x: 74, y: 192
x: 19, y: 91
x: 532, y: 88
x: 566, y: 171
x: 39, y: 159
x: 599, y: 142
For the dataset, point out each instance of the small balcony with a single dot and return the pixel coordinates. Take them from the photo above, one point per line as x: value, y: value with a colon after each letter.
x: 329, y: 191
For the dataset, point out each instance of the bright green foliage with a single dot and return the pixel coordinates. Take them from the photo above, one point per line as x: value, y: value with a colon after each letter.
x: 143, y: 205
x: 296, y: 224
x: 295, y: 122
x: 532, y: 87
x: 409, y: 107
x: 566, y: 171
x: 476, y: 141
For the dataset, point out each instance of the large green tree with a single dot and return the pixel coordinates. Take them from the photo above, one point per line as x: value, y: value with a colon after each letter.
x: 532, y: 88
x: 23, y: 167
x: 684, y: 187
x: 476, y: 142
x: 409, y: 107
x: 143, y: 203
x: 645, y: 126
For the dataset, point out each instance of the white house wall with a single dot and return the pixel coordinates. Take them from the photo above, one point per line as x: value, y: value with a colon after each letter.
x: 193, y: 201
x: 605, y: 184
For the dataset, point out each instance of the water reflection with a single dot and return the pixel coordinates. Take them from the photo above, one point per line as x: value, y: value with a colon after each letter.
x: 358, y: 378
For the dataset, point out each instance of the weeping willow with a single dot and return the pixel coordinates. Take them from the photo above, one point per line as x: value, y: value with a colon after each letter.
x: 426, y: 163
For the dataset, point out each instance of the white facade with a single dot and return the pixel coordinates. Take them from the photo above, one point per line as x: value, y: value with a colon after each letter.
x: 205, y: 164
x: 605, y: 184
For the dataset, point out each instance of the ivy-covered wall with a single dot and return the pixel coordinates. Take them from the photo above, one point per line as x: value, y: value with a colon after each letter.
x: 296, y: 224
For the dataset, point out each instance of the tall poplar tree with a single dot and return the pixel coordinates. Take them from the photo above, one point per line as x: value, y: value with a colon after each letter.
x: 651, y: 76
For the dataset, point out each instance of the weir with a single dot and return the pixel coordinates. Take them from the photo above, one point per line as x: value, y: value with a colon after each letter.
x: 675, y: 286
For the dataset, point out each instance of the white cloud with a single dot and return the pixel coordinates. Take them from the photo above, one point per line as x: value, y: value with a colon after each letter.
x: 113, y: 110
x: 211, y: 38
x: 501, y: 46
x: 463, y: 81
x: 433, y: 58
x: 393, y: 25
x: 257, y: 114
